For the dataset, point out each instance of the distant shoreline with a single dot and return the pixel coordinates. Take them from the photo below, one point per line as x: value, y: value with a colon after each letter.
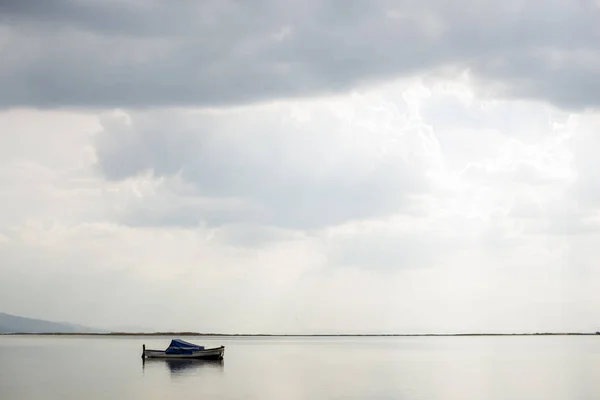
x: 296, y: 335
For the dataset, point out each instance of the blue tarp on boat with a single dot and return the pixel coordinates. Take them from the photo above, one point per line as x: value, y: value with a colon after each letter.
x: 179, y: 346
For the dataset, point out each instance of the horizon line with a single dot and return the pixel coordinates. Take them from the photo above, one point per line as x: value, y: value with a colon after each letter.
x: 188, y: 333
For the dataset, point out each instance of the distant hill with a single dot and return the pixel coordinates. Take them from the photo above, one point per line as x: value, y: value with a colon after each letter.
x: 15, y: 324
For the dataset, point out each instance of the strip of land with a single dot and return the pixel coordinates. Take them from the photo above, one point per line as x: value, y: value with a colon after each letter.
x: 295, y: 335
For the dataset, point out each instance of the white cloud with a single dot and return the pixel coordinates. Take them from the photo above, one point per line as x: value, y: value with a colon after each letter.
x: 340, y: 160
x: 356, y: 213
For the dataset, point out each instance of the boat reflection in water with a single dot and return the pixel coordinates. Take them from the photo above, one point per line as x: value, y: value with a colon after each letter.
x: 180, y: 367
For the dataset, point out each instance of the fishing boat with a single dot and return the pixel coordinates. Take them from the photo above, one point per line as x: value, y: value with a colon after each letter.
x: 180, y: 349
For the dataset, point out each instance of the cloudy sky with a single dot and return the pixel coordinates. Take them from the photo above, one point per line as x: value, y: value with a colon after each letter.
x: 301, y: 166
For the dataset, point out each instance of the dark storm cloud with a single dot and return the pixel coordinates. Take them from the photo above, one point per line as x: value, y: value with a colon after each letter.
x: 89, y: 53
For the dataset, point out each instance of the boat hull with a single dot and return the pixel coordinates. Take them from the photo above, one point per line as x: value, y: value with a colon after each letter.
x: 216, y: 353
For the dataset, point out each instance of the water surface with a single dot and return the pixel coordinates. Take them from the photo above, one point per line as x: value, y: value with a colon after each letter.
x: 416, y: 368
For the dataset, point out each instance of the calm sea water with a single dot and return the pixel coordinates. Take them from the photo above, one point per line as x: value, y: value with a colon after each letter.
x: 308, y: 368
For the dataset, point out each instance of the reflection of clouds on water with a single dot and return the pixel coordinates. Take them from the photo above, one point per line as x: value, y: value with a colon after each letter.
x: 185, y: 367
